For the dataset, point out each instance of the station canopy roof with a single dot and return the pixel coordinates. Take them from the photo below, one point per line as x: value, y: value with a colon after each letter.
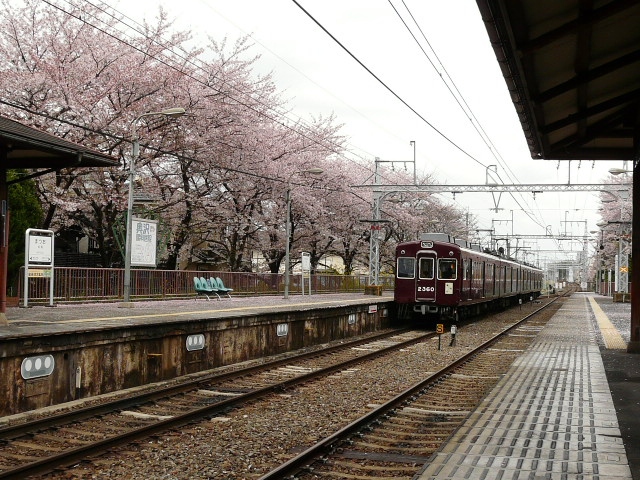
x: 573, y: 70
x: 27, y: 147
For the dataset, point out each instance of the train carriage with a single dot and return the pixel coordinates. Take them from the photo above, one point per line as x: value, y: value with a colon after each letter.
x: 443, y: 279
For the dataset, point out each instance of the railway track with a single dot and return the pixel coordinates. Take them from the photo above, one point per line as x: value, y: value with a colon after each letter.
x: 397, y: 438
x: 54, y: 443
x: 42, y: 445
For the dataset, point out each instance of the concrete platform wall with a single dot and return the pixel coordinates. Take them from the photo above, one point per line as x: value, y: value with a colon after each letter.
x: 94, y: 362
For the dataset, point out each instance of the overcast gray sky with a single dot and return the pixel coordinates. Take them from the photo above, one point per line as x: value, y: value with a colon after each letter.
x: 320, y: 78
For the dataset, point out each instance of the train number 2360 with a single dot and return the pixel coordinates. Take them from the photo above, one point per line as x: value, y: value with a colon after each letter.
x: 426, y: 289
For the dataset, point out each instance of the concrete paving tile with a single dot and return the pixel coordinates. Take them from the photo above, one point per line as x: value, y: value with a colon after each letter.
x: 550, y: 417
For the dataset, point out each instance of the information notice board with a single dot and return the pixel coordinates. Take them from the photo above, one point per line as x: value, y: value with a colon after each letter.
x: 306, y: 270
x: 38, y: 259
x: 143, y: 242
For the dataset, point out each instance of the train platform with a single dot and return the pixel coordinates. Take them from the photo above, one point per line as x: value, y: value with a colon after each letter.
x: 569, y: 407
x: 65, y: 318
x: 68, y: 352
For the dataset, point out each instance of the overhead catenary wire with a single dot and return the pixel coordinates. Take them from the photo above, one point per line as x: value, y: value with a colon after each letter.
x: 398, y: 97
x: 389, y: 89
x: 170, y: 63
x: 462, y: 103
x: 278, y: 117
x: 303, y: 74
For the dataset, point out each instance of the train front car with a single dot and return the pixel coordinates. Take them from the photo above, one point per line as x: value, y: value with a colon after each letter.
x: 442, y: 279
x: 427, y: 280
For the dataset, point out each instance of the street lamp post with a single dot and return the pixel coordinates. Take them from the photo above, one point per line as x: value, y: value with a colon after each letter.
x: 287, y: 271
x: 599, y: 248
x: 169, y: 112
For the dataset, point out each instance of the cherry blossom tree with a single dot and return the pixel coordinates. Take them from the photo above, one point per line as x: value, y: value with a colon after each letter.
x: 616, y: 215
x: 60, y: 74
x: 340, y: 231
x: 216, y: 179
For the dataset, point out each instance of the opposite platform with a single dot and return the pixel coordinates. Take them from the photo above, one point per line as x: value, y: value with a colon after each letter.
x: 65, y: 318
x: 550, y: 417
x: 53, y: 355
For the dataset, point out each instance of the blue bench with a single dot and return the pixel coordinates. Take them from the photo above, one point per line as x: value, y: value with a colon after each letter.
x: 220, y: 286
x: 203, y: 287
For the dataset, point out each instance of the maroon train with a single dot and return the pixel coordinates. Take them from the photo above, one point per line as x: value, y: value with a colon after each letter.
x: 443, y: 279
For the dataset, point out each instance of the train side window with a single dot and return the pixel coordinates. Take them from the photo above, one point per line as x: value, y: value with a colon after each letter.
x: 467, y: 269
x: 447, y: 269
x: 406, y: 267
x: 426, y: 268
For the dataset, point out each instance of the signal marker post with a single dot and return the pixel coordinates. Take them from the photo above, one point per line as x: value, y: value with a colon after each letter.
x: 440, y: 331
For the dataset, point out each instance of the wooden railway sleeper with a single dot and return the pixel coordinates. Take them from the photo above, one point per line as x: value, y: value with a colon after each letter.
x: 401, y: 400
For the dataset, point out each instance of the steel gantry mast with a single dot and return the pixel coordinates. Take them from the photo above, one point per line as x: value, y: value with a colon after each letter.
x: 534, y: 188
x: 381, y: 191
x: 376, y: 222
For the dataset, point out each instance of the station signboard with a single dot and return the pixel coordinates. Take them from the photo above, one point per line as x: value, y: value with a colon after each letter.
x: 143, y: 242
x: 38, y: 260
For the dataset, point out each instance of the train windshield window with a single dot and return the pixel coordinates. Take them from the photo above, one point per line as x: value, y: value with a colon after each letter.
x: 406, y: 267
x: 447, y: 269
x: 426, y: 268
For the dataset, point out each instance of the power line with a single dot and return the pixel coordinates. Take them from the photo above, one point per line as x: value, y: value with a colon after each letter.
x: 398, y: 97
x: 137, y: 28
x: 332, y: 147
x: 389, y: 89
x: 462, y: 103
x: 168, y: 61
x: 172, y: 153
x: 283, y: 60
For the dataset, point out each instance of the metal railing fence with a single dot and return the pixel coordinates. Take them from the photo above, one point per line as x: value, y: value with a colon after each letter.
x: 75, y: 284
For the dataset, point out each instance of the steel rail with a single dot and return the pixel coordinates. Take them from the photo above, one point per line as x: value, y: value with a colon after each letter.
x: 71, y: 456
x: 313, y: 453
x: 13, y: 431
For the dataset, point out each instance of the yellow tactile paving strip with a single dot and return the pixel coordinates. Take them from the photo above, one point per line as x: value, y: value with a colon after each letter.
x: 612, y: 338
